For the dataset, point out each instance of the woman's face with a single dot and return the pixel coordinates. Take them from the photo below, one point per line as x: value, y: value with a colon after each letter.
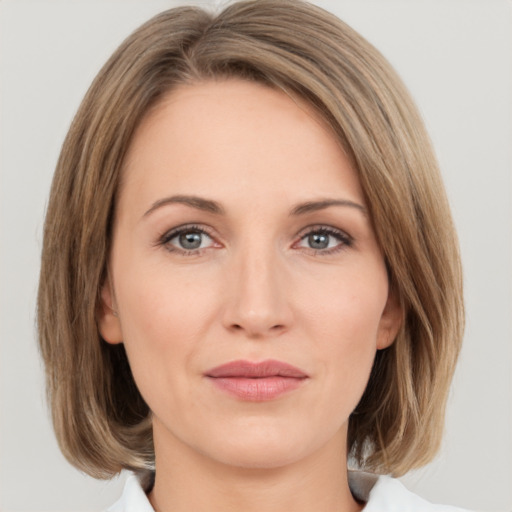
x: 242, y: 236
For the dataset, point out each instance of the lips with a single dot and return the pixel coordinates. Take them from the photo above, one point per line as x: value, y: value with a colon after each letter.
x: 261, y: 381
x: 248, y: 369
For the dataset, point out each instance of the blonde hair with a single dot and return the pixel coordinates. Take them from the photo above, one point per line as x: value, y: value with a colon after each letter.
x: 102, y: 423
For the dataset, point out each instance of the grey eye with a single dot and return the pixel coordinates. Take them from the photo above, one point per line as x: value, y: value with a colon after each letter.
x: 187, y: 239
x: 325, y: 240
x: 190, y: 240
x: 318, y: 240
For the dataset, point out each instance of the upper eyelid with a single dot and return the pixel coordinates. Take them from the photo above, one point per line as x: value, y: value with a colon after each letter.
x: 171, y: 233
x: 323, y: 227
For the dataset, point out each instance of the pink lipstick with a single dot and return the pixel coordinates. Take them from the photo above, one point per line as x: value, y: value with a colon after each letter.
x: 256, y: 382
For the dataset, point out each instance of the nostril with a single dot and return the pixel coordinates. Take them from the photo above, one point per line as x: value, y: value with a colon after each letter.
x: 258, y: 332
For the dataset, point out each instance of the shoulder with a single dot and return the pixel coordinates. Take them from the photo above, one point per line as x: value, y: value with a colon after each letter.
x: 386, y: 494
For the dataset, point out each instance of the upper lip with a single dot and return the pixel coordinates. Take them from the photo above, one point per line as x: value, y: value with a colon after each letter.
x: 250, y: 369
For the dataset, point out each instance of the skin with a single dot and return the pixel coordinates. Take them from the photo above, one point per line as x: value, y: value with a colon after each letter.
x: 257, y: 288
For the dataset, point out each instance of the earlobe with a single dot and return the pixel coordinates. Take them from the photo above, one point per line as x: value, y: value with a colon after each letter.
x: 390, y: 322
x: 108, y: 318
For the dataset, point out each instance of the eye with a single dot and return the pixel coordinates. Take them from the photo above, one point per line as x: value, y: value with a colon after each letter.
x: 325, y: 240
x: 187, y: 239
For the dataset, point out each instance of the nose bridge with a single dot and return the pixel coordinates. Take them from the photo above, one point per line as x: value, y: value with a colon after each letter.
x: 258, y: 304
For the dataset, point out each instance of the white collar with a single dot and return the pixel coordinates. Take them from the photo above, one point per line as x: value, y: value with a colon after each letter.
x: 380, y: 493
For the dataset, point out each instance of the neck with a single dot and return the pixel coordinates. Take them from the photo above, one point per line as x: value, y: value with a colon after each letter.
x: 187, y: 480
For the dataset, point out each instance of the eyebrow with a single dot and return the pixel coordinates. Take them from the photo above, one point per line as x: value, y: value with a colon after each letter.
x: 210, y: 206
x: 199, y: 203
x: 314, y: 206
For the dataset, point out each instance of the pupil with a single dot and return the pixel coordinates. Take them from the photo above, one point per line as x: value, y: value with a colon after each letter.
x: 190, y: 240
x: 318, y: 241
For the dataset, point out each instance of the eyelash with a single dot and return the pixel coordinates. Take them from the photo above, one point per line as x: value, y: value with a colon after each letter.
x: 345, y: 240
x: 165, y: 239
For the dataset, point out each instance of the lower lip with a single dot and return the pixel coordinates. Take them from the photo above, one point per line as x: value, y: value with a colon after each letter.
x: 257, y: 390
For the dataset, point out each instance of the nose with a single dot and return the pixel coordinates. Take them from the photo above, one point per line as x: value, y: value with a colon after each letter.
x: 258, y: 295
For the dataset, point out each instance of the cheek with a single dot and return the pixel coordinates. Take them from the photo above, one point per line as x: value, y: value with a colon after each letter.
x: 157, y: 301
x: 343, y: 319
x: 163, y: 320
x: 346, y: 306
x: 351, y: 343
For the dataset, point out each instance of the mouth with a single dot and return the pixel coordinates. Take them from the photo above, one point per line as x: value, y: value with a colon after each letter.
x: 256, y: 382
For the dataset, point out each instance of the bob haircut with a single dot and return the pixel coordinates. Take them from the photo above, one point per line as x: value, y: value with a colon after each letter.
x: 101, y: 421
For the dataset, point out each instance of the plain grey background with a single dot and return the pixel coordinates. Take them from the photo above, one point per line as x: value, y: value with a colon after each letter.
x: 455, y: 56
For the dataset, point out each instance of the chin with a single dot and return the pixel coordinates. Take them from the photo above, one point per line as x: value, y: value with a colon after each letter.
x: 262, y: 448
x: 260, y: 457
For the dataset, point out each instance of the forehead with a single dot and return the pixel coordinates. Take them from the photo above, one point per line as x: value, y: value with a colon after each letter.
x: 236, y: 136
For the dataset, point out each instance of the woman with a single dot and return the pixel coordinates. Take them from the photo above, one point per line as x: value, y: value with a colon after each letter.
x: 250, y: 275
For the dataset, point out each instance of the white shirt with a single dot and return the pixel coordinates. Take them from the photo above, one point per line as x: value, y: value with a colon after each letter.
x: 381, y: 494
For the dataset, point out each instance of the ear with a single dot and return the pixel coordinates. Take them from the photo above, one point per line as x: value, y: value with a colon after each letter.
x: 108, y: 319
x: 390, y: 322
